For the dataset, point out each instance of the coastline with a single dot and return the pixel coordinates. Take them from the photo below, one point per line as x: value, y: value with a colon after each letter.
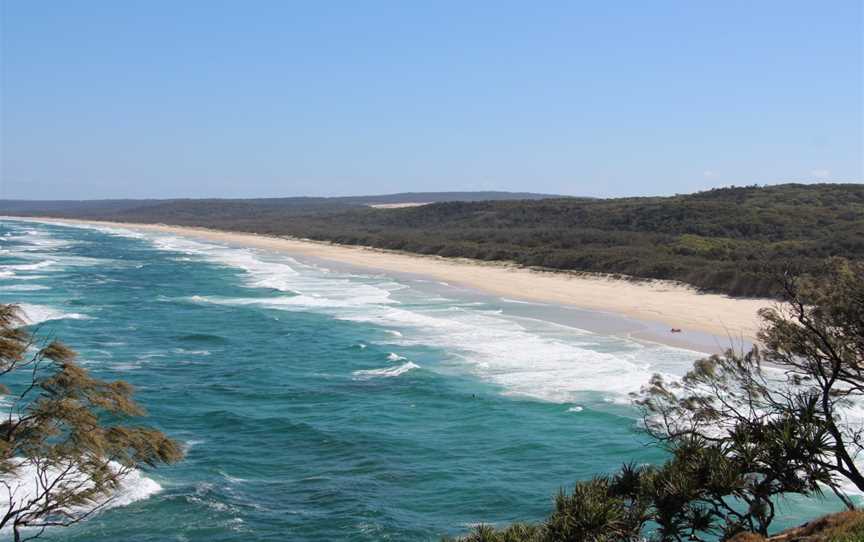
x: 662, y: 305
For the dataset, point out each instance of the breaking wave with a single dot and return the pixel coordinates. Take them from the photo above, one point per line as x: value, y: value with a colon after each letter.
x: 28, y: 482
x: 36, y: 314
x: 386, y: 372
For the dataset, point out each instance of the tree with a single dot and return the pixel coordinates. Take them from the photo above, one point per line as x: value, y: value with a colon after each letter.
x: 604, y: 509
x: 742, y: 429
x: 779, y: 413
x: 64, y: 447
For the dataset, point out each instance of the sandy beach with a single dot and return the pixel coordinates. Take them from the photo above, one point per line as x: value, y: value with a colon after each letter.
x: 664, y: 303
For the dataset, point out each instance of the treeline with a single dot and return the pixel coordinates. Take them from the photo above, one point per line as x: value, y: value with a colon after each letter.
x: 290, y: 204
x: 732, y: 240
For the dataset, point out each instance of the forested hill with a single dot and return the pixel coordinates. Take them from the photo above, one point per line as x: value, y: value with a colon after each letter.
x: 302, y: 205
x: 731, y: 240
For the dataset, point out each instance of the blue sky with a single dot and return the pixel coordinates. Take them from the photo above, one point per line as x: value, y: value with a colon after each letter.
x: 235, y: 99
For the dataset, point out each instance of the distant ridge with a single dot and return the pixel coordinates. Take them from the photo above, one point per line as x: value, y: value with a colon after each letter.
x: 438, y: 197
x: 110, y: 206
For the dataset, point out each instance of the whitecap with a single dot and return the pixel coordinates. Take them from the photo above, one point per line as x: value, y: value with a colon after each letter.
x: 36, y: 314
x: 232, y: 479
x: 26, y: 277
x: 297, y: 302
x: 125, y: 367
x: 23, y: 485
x: 521, y: 302
x: 32, y: 266
x: 192, y: 352
x: 28, y: 266
x: 29, y: 239
x: 23, y: 287
x: 110, y: 230
x: 386, y: 372
x: 189, y: 444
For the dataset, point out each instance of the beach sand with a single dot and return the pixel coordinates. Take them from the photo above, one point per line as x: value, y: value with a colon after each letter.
x: 661, y: 303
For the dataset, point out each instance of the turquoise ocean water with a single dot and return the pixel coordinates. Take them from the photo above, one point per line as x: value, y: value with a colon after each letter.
x: 319, y: 404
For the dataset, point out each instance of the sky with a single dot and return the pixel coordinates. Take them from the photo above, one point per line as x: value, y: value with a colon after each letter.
x: 218, y: 98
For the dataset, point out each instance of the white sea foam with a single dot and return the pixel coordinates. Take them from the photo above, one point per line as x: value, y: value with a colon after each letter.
x: 36, y: 314
x: 125, y: 367
x: 522, y: 302
x: 28, y: 239
x: 110, y: 230
x: 80, y: 261
x: 261, y: 274
x: 386, y: 372
x: 42, y: 250
x: 28, y: 483
x: 22, y: 277
x: 311, y: 288
x: 575, y: 409
x: 192, y: 352
x: 29, y: 266
x: 232, y: 479
x: 526, y: 362
x: 22, y: 270
x: 187, y: 445
x: 366, y: 296
x: 23, y: 287
x: 393, y: 356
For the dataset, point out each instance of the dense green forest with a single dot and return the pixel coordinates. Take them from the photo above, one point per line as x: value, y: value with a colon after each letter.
x: 735, y: 240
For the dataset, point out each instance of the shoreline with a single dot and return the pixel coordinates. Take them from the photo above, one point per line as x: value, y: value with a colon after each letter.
x: 660, y: 304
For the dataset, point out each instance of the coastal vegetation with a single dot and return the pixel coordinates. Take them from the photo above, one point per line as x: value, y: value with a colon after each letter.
x: 65, y: 444
x: 742, y: 430
x: 841, y: 527
x: 733, y: 240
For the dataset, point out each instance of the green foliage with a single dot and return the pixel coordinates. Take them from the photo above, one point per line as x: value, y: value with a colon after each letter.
x: 854, y: 534
x: 592, y: 512
x: 850, y: 533
x: 595, y: 511
x: 518, y: 532
x: 711, y: 247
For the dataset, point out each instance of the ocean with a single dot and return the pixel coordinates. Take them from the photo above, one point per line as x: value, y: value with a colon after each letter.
x: 318, y: 403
